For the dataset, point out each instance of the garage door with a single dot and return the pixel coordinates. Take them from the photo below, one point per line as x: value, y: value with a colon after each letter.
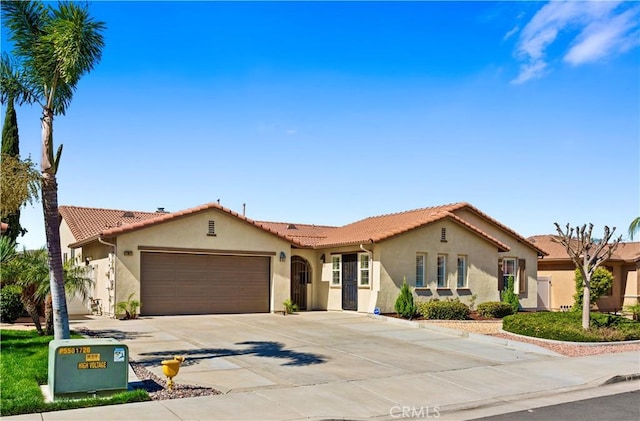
x: 173, y: 283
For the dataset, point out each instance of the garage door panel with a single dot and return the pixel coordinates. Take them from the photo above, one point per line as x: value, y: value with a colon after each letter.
x: 175, y: 283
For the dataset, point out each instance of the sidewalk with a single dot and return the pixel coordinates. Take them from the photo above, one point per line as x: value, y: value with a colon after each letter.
x: 491, y: 378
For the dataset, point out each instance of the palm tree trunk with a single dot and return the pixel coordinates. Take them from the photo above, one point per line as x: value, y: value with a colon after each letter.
x: 48, y: 315
x: 50, y: 208
x: 32, y: 308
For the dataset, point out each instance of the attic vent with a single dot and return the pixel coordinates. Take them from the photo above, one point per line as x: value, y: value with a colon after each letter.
x: 128, y: 214
x: 212, y: 229
x: 443, y: 235
x: 291, y: 227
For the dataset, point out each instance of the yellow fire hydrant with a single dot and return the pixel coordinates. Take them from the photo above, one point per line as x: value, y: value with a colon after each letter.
x: 170, y: 369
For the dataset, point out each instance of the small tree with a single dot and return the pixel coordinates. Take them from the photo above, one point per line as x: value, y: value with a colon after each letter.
x: 509, y: 296
x: 587, y: 254
x: 405, y: 306
x: 601, y: 282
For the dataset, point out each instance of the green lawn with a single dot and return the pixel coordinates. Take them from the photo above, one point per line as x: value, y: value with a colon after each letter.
x: 568, y: 327
x: 23, y: 368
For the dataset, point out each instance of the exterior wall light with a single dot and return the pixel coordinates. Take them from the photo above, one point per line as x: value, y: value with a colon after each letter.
x: 283, y: 257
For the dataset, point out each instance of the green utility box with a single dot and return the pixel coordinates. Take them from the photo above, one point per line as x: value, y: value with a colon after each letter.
x: 81, y: 367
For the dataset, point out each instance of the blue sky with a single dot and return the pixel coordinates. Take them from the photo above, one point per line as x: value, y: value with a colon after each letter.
x: 327, y: 113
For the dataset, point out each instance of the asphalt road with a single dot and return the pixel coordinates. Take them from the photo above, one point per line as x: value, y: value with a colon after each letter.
x: 621, y: 407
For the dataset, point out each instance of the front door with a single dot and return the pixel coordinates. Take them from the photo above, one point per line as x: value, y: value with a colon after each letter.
x: 300, y: 277
x: 350, y: 282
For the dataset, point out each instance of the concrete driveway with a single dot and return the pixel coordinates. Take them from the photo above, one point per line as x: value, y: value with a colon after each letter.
x: 235, y: 353
x: 335, y: 365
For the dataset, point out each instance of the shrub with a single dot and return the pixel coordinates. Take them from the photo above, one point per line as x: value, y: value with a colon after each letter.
x: 443, y: 310
x: 289, y: 307
x: 567, y: 326
x: 601, y: 282
x: 494, y: 309
x: 128, y: 309
x: 634, y: 310
x: 10, y: 304
x: 509, y: 296
x: 405, y: 306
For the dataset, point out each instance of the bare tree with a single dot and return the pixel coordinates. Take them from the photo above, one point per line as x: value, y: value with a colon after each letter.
x: 587, y: 254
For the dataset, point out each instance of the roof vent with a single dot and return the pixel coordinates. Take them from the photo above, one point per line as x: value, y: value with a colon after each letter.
x: 291, y: 227
x: 160, y: 210
x: 128, y: 214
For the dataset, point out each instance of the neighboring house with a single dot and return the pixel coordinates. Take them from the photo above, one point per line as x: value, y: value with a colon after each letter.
x: 210, y: 259
x: 556, y: 277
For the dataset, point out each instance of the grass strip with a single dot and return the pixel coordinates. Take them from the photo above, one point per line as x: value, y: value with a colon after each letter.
x: 23, y: 368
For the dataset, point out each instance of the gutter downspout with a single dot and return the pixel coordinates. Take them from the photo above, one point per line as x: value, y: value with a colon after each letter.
x: 373, y: 298
x: 115, y: 258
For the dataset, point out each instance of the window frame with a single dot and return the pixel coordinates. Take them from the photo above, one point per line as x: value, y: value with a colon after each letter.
x: 465, y: 275
x: 421, y: 271
x: 505, y: 275
x: 442, y: 280
x: 336, y: 259
x: 364, y: 257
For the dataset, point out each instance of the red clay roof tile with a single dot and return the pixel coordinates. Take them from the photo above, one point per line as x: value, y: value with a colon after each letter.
x: 87, y: 224
x: 628, y: 252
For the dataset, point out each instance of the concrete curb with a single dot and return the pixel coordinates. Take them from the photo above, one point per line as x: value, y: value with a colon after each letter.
x: 553, y: 341
x: 622, y: 378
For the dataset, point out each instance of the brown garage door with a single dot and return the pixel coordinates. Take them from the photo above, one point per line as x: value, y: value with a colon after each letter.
x: 175, y: 283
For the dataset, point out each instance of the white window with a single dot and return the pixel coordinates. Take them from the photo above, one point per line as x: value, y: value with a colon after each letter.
x: 509, y: 269
x: 336, y: 270
x: 462, y: 271
x: 363, y: 273
x: 421, y: 260
x: 442, y: 271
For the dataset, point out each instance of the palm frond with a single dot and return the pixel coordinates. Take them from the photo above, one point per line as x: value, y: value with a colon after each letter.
x: 634, y: 227
x: 13, y: 82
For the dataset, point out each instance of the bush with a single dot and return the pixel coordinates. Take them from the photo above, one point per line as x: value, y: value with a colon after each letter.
x: 443, y: 310
x: 634, y: 310
x: 601, y: 282
x: 509, y: 296
x: 567, y: 326
x: 10, y: 305
x: 494, y: 309
x: 405, y: 306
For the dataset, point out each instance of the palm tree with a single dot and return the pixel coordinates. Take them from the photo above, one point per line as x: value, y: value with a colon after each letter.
x: 55, y: 48
x: 29, y: 270
x: 634, y: 227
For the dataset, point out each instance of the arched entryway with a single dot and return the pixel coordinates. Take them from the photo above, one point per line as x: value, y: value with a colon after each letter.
x: 300, y: 277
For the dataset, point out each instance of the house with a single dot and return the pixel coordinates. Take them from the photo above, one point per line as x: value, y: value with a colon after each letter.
x: 210, y: 259
x: 556, y: 278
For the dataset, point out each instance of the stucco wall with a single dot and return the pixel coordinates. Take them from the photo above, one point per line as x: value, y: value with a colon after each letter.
x: 632, y: 285
x: 190, y: 232
x: 333, y: 293
x: 316, y: 291
x: 562, y: 286
x: 398, y: 260
x: 519, y: 250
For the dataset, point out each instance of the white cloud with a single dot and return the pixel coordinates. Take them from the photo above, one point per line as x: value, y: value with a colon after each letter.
x: 511, y: 32
x: 600, y: 39
x: 598, y: 29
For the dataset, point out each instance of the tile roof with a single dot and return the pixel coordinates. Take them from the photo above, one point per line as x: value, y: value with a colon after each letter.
x: 628, y: 252
x: 305, y: 234
x: 87, y: 224
x: 140, y: 220
x: 378, y: 228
